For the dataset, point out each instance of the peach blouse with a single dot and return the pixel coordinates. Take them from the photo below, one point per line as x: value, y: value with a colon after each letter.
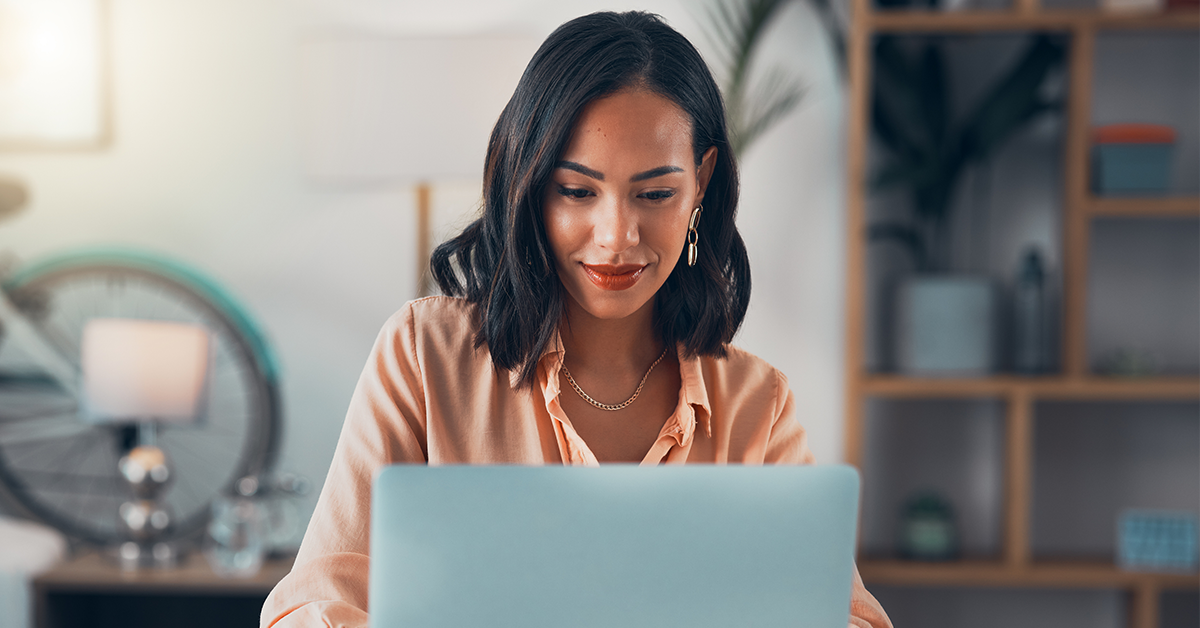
x: 427, y: 395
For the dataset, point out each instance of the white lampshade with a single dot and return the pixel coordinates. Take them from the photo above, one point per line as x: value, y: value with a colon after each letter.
x: 405, y: 109
x: 136, y: 370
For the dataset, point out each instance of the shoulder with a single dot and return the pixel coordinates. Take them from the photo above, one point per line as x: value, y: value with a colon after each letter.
x: 437, y: 334
x: 749, y: 408
x: 742, y: 369
x: 743, y: 388
x: 438, y: 318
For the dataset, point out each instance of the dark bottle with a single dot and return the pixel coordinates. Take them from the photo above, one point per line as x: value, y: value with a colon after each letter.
x: 1031, y: 347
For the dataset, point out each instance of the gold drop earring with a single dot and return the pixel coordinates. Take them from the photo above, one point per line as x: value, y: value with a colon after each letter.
x: 692, y: 235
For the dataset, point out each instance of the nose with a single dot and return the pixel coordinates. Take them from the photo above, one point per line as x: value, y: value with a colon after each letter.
x: 616, y: 226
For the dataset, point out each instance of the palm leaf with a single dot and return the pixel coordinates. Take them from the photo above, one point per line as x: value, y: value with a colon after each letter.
x: 1014, y: 101
x: 933, y: 96
x: 833, y: 28
x: 899, y: 105
x: 774, y: 98
x: 735, y: 27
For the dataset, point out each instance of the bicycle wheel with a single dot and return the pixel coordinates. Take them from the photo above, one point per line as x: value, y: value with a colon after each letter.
x: 64, y: 471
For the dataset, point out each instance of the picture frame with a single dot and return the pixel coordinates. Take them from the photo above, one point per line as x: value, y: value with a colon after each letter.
x: 55, y: 78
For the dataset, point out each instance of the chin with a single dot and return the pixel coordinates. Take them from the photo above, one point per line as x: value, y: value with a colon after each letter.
x: 612, y: 311
x: 611, y: 305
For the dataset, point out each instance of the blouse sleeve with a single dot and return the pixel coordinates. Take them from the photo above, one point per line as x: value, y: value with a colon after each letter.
x: 385, y: 424
x: 788, y: 444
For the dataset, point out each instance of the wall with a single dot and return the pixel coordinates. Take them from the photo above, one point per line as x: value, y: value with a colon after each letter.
x: 205, y: 166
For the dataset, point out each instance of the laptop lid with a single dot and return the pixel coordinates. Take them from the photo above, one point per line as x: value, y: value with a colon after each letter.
x: 618, y: 545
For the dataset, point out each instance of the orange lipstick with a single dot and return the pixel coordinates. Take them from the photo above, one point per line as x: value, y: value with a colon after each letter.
x: 608, y: 277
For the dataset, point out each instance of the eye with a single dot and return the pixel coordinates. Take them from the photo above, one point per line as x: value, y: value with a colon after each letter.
x: 658, y: 195
x: 573, y: 192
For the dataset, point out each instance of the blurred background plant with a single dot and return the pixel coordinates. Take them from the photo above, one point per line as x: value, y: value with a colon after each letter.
x: 928, y: 151
x: 735, y: 28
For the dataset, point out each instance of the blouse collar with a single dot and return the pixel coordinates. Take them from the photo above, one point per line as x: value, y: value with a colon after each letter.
x: 693, y: 394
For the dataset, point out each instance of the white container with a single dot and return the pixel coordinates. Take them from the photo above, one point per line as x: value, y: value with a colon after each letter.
x: 946, y: 326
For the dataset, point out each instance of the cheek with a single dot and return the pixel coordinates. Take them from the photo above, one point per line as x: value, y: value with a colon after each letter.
x: 670, y: 231
x: 560, y: 229
x: 679, y: 220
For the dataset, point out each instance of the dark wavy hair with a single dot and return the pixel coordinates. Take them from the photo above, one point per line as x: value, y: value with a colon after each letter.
x: 503, y: 263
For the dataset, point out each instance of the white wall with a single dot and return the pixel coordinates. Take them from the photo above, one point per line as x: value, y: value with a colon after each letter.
x: 205, y: 167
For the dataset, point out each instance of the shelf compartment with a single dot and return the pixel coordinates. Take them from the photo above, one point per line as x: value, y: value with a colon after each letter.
x: 1181, y: 606
x: 989, y: 21
x: 1094, y: 460
x: 1068, y: 574
x: 1004, y: 386
x: 1143, y: 295
x: 1142, y: 77
x: 954, y: 448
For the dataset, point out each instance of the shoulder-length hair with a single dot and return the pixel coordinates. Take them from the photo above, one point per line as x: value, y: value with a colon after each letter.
x: 503, y: 263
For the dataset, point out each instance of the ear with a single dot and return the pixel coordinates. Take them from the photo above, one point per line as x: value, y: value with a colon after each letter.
x: 704, y: 172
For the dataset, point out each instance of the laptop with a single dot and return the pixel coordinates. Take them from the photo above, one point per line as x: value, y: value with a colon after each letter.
x: 614, y: 546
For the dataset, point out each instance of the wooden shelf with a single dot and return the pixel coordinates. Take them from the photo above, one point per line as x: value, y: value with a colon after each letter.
x: 1106, y: 388
x: 1079, y: 574
x: 898, y: 21
x: 1181, y: 207
x: 92, y: 572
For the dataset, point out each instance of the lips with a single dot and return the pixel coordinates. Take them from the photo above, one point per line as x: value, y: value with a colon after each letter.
x: 608, y: 277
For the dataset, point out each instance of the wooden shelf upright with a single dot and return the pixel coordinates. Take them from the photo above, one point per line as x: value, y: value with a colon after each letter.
x: 1016, y: 567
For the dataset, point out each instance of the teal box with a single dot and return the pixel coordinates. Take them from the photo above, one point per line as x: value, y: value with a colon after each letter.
x: 1132, y: 169
x: 1158, y: 541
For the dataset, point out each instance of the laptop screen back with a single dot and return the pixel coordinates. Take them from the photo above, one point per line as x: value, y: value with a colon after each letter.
x: 612, y: 546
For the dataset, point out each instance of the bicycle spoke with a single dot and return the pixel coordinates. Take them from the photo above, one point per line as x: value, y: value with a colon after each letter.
x: 57, y: 428
x: 72, y: 459
x: 16, y: 415
x: 30, y: 451
x: 66, y: 482
x: 196, y: 498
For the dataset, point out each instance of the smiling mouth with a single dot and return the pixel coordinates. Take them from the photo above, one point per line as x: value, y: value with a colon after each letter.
x: 613, y: 277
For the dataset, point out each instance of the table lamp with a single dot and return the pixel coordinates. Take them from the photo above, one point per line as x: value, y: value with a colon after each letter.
x: 406, y: 110
x: 146, y: 374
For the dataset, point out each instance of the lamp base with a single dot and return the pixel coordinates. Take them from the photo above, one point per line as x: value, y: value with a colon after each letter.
x: 133, y: 556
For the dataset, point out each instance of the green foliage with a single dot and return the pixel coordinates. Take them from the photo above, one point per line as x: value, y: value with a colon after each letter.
x: 910, y: 113
x: 736, y: 27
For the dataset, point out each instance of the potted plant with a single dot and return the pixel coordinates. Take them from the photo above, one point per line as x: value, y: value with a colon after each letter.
x: 945, y: 321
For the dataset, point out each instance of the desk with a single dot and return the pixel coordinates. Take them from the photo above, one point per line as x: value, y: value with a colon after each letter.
x: 89, y: 590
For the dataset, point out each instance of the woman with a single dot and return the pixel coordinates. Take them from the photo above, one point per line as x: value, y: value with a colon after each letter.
x: 590, y: 307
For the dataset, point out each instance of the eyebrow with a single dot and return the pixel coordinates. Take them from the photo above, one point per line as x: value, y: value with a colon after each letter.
x: 581, y: 169
x: 599, y: 176
x: 657, y: 172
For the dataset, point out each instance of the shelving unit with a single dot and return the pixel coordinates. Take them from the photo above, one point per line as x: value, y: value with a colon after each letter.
x: 1016, y: 567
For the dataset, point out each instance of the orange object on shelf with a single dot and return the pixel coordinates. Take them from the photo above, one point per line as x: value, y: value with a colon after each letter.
x: 1133, y: 134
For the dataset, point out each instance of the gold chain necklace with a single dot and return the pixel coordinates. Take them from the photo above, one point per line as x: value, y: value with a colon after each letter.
x: 623, y: 404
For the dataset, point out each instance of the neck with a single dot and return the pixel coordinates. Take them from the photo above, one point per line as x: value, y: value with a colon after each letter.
x: 626, y: 345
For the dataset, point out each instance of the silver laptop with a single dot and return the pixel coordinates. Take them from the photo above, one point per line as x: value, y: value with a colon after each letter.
x: 615, y: 546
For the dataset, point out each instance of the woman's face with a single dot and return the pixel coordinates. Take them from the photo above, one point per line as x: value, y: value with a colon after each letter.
x: 617, y: 206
